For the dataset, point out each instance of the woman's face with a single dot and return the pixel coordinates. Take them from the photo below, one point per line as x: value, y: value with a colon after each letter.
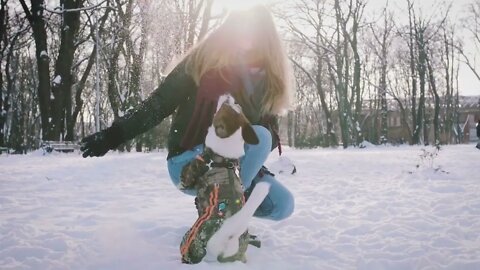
x: 244, y: 37
x: 245, y: 44
x: 243, y: 31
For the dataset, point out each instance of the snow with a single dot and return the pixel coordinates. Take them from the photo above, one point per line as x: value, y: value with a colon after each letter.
x: 379, y: 207
x: 282, y: 165
x: 57, y: 80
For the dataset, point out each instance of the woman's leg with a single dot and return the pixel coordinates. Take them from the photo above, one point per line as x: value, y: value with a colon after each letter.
x: 255, y: 155
x: 279, y: 203
x: 176, y: 164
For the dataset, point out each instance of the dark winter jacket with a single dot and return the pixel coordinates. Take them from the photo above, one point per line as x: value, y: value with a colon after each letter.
x: 478, y: 129
x: 176, y: 95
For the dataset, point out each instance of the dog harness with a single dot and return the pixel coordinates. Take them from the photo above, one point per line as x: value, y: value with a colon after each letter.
x: 219, y: 196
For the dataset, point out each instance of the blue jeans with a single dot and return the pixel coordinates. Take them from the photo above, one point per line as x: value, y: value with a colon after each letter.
x: 278, y: 204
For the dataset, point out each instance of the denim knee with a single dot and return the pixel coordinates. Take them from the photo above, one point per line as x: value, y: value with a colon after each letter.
x: 285, y: 208
x: 279, y: 203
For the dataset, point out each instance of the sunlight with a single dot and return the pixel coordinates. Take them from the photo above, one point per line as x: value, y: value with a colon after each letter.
x: 242, y: 4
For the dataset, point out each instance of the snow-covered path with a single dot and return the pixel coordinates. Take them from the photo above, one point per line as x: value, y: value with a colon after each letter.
x: 355, y: 209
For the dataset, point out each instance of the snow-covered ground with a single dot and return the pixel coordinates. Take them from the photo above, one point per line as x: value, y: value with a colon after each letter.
x: 355, y: 209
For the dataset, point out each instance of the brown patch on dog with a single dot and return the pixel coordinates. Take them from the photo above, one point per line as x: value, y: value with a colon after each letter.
x: 227, y: 121
x: 191, y: 173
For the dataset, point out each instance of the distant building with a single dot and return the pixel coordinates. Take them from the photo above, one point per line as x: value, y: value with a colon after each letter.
x: 462, y: 127
x: 469, y: 114
x: 461, y: 130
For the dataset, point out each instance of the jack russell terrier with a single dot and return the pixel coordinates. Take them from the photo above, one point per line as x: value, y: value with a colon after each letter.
x: 220, y: 232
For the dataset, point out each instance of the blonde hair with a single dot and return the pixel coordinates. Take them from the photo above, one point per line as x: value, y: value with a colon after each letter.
x: 217, y: 51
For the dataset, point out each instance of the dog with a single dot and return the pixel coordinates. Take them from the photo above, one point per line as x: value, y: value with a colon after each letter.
x: 214, y: 174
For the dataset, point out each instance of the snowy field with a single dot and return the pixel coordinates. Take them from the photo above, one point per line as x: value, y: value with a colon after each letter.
x: 355, y: 209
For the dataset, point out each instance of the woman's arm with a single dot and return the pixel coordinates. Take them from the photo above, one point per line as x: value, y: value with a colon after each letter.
x: 175, y: 89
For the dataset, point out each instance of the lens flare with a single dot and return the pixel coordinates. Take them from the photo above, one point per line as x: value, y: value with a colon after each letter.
x: 242, y: 4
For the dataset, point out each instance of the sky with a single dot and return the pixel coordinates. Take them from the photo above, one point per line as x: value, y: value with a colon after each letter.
x: 468, y: 83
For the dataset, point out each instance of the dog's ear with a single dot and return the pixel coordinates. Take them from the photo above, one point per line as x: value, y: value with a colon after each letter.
x: 248, y: 134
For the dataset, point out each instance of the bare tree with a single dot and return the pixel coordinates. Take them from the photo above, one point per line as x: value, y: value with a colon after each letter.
x: 350, y: 78
x: 79, y: 85
x: 311, y: 13
x: 472, y: 24
x: 35, y: 16
x: 448, y: 59
x: 421, y: 32
x: 436, y: 96
x: 63, y: 79
x: 355, y: 10
x: 346, y: 43
x: 384, y: 42
x: 4, y: 106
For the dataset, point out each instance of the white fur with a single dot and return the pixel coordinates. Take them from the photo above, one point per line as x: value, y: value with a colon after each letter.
x: 230, y: 101
x: 231, y: 147
x: 225, y: 241
x: 222, y: 99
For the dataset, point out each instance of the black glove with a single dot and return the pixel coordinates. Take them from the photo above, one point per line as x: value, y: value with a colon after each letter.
x: 99, y: 143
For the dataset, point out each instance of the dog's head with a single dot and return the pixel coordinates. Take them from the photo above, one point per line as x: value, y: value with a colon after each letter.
x: 230, y: 129
x: 229, y: 118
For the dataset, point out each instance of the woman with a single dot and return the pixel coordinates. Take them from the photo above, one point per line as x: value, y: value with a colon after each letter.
x: 243, y: 57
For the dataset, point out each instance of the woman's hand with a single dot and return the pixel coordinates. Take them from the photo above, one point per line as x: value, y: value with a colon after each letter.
x: 94, y: 145
x: 99, y: 143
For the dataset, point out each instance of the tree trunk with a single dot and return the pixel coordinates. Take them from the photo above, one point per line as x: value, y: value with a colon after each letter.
x: 421, y: 67
x: 340, y: 79
x: 382, y: 54
x: 413, y: 74
x: 436, y: 116
x: 113, y: 92
x: 331, y: 139
x: 383, y: 100
x: 10, y: 98
x: 3, y: 45
x: 78, y: 96
x: 124, y: 21
x: 136, y: 76
x: 291, y: 128
x: 448, y: 67
x: 357, y: 70
x: 36, y: 19
x: 63, y: 79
